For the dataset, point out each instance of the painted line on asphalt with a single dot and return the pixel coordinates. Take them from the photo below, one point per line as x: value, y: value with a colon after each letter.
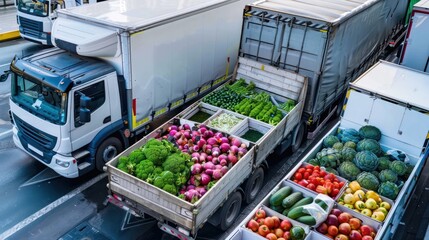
x: 51, y: 207
x: 5, y: 133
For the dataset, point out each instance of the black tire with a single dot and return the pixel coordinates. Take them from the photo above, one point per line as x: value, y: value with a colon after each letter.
x: 253, y: 185
x: 107, y: 150
x: 230, y: 211
x: 299, y: 138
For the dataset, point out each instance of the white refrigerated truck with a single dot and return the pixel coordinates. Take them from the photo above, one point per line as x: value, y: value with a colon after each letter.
x: 119, y: 66
x: 394, y: 99
x: 35, y: 17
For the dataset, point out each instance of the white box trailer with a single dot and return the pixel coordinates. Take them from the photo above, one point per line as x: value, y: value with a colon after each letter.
x: 415, y: 53
x: 330, y: 42
x: 394, y: 99
x: 131, y: 62
x: 141, y: 197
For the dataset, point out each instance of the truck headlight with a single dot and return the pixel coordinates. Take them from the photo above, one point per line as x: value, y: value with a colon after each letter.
x: 62, y: 163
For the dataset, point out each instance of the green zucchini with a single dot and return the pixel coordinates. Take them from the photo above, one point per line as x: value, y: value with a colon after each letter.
x: 290, y: 200
x: 309, y: 220
x: 277, y: 198
x: 302, y: 202
x: 296, y: 213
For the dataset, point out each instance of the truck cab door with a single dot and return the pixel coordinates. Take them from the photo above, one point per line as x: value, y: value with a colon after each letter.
x: 99, y: 106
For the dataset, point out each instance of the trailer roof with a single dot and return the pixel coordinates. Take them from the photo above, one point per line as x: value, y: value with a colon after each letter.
x: 136, y: 14
x: 422, y: 4
x: 396, y: 82
x: 331, y: 11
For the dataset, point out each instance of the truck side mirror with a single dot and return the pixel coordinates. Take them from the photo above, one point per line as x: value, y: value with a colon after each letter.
x: 84, y: 112
x: 4, y: 76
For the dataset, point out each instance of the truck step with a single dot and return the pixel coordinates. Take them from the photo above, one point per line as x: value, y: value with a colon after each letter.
x: 83, y: 165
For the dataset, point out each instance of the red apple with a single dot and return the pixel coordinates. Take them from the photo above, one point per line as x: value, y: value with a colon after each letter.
x: 322, y: 228
x: 336, y: 212
x: 260, y: 213
x: 286, y: 235
x: 279, y: 232
x: 269, y: 221
x: 260, y: 221
x: 344, y: 217
x: 276, y: 221
x: 286, y: 225
x: 253, y: 225
x: 271, y: 236
x: 329, y: 236
x: 332, y: 220
x: 366, y: 230
x: 367, y: 238
x: 355, y: 235
x: 355, y: 223
x: 341, y: 237
x: 344, y: 228
x: 263, y: 230
x: 332, y: 230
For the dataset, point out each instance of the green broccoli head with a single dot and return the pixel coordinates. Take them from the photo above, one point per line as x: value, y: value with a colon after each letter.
x: 144, y: 169
x: 122, y: 164
x: 136, y: 156
x: 170, y: 188
x: 181, y: 179
x: 168, y: 177
x: 158, y: 170
x: 155, y: 151
x: 175, y: 163
x: 159, y: 182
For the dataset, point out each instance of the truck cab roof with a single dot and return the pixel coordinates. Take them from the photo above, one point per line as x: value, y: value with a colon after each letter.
x: 55, y: 65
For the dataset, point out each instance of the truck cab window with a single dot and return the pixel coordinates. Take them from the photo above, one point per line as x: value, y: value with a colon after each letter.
x: 97, y: 94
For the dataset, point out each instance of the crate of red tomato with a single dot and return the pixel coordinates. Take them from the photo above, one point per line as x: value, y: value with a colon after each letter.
x: 319, y: 180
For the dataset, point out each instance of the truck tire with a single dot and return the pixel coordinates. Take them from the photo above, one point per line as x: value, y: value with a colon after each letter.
x: 230, y: 211
x: 107, y: 150
x: 298, y: 137
x: 253, y: 185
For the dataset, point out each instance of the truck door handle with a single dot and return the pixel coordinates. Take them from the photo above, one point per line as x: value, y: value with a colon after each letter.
x: 107, y: 119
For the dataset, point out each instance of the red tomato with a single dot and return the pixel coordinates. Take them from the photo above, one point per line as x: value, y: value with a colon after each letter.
x: 301, y: 170
x: 309, y: 166
x: 336, y: 185
x: 306, y: 175
x: 317, y: 168
x: 298, y: 176
x: 314, y: 181
x: 322, y: 173
x: 309, y: 170
x: 341, y: 184
x: 295, y: 180
x: 335, y: 192
x: 311, y: 186
x: 303, y: 183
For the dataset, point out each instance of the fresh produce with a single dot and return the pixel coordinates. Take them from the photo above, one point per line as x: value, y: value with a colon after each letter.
x: 288, y: 105
x: 290, y: 200
x: 349, y: 135
x: 370, y: 132
x: 277, y: 198
x: 368, y: 180
x: 318, y: 180
x: 200, y: 116
x: 241, y: 87
x: 388, y: 175
x: 330, y: 140
x: 271, y: 227
x: 399, y: 167
x: 261, y: 108
x: 328, y: 157
x: 223, y: 98
x: 349, y: 171
x: 368, y: 203
x: 338, y: 146
x: 369, y: 145
x: 366, y: 161
x: 344, y: 226
x: 350, y: 144
x: 389, y: 190
x: 348, y: 154
x: 224, y: 122
x: 252, y: 135
x: 383, y: 163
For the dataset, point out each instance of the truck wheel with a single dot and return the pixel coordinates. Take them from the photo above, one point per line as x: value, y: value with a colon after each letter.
x: 230, y: 211
x: 107, y: 150
x: 299, y: 136
x: 253, y: 185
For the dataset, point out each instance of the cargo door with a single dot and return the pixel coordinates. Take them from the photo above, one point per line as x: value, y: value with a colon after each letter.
x: 285, y: 41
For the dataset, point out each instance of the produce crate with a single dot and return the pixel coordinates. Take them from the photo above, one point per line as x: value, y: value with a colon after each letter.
x: 314, y: 235
x: 384, y: 199
x: 252, y: 124
x: 201, y: 107
x: 269, y: 213
x: 223, y: 111
x: 304, y: 164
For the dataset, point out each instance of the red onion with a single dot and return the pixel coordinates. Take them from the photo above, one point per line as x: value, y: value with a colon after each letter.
x: 209, y: 158
x: 177, y: 135
x: 187, y: 134
x: 243, y: 145
x: 208, y: 165
x: 192, y: 195
x: 211, y: 141
x: 195, y: 148
x: 210, y: 133
x: 232, y: 159
x: 224, y: 140
x: 196, y: 168
x: 201, y: 143
x: 218, y: 135
x: 205, y: 179
x: 172, y: 127
x: 202, y: 159
x: 224, y: 147
x: 189, y: 187
x: 172, y: 133
x: 218, y: 166
x: 224, y: 170
x: 223, y: 162
x: 222, y: 157
x: 195, y: 155
x: 217, y: 174
x: 241, y: 151
x: 215, y: 160
x: 208, y: 172
x: 202, y: 130
x: 236, y: 142
x: 186, y: 126
x: 180, y: 142
x: 201, y: 190
x: 233, y: 149
x: 215, y: 151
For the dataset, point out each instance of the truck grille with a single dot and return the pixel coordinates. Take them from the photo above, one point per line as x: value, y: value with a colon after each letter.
x: 31, y: 27
x: 31, y: 135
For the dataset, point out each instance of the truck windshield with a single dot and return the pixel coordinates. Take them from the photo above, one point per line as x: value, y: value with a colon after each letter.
x: 39, y: 99
x: 34, y: 7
